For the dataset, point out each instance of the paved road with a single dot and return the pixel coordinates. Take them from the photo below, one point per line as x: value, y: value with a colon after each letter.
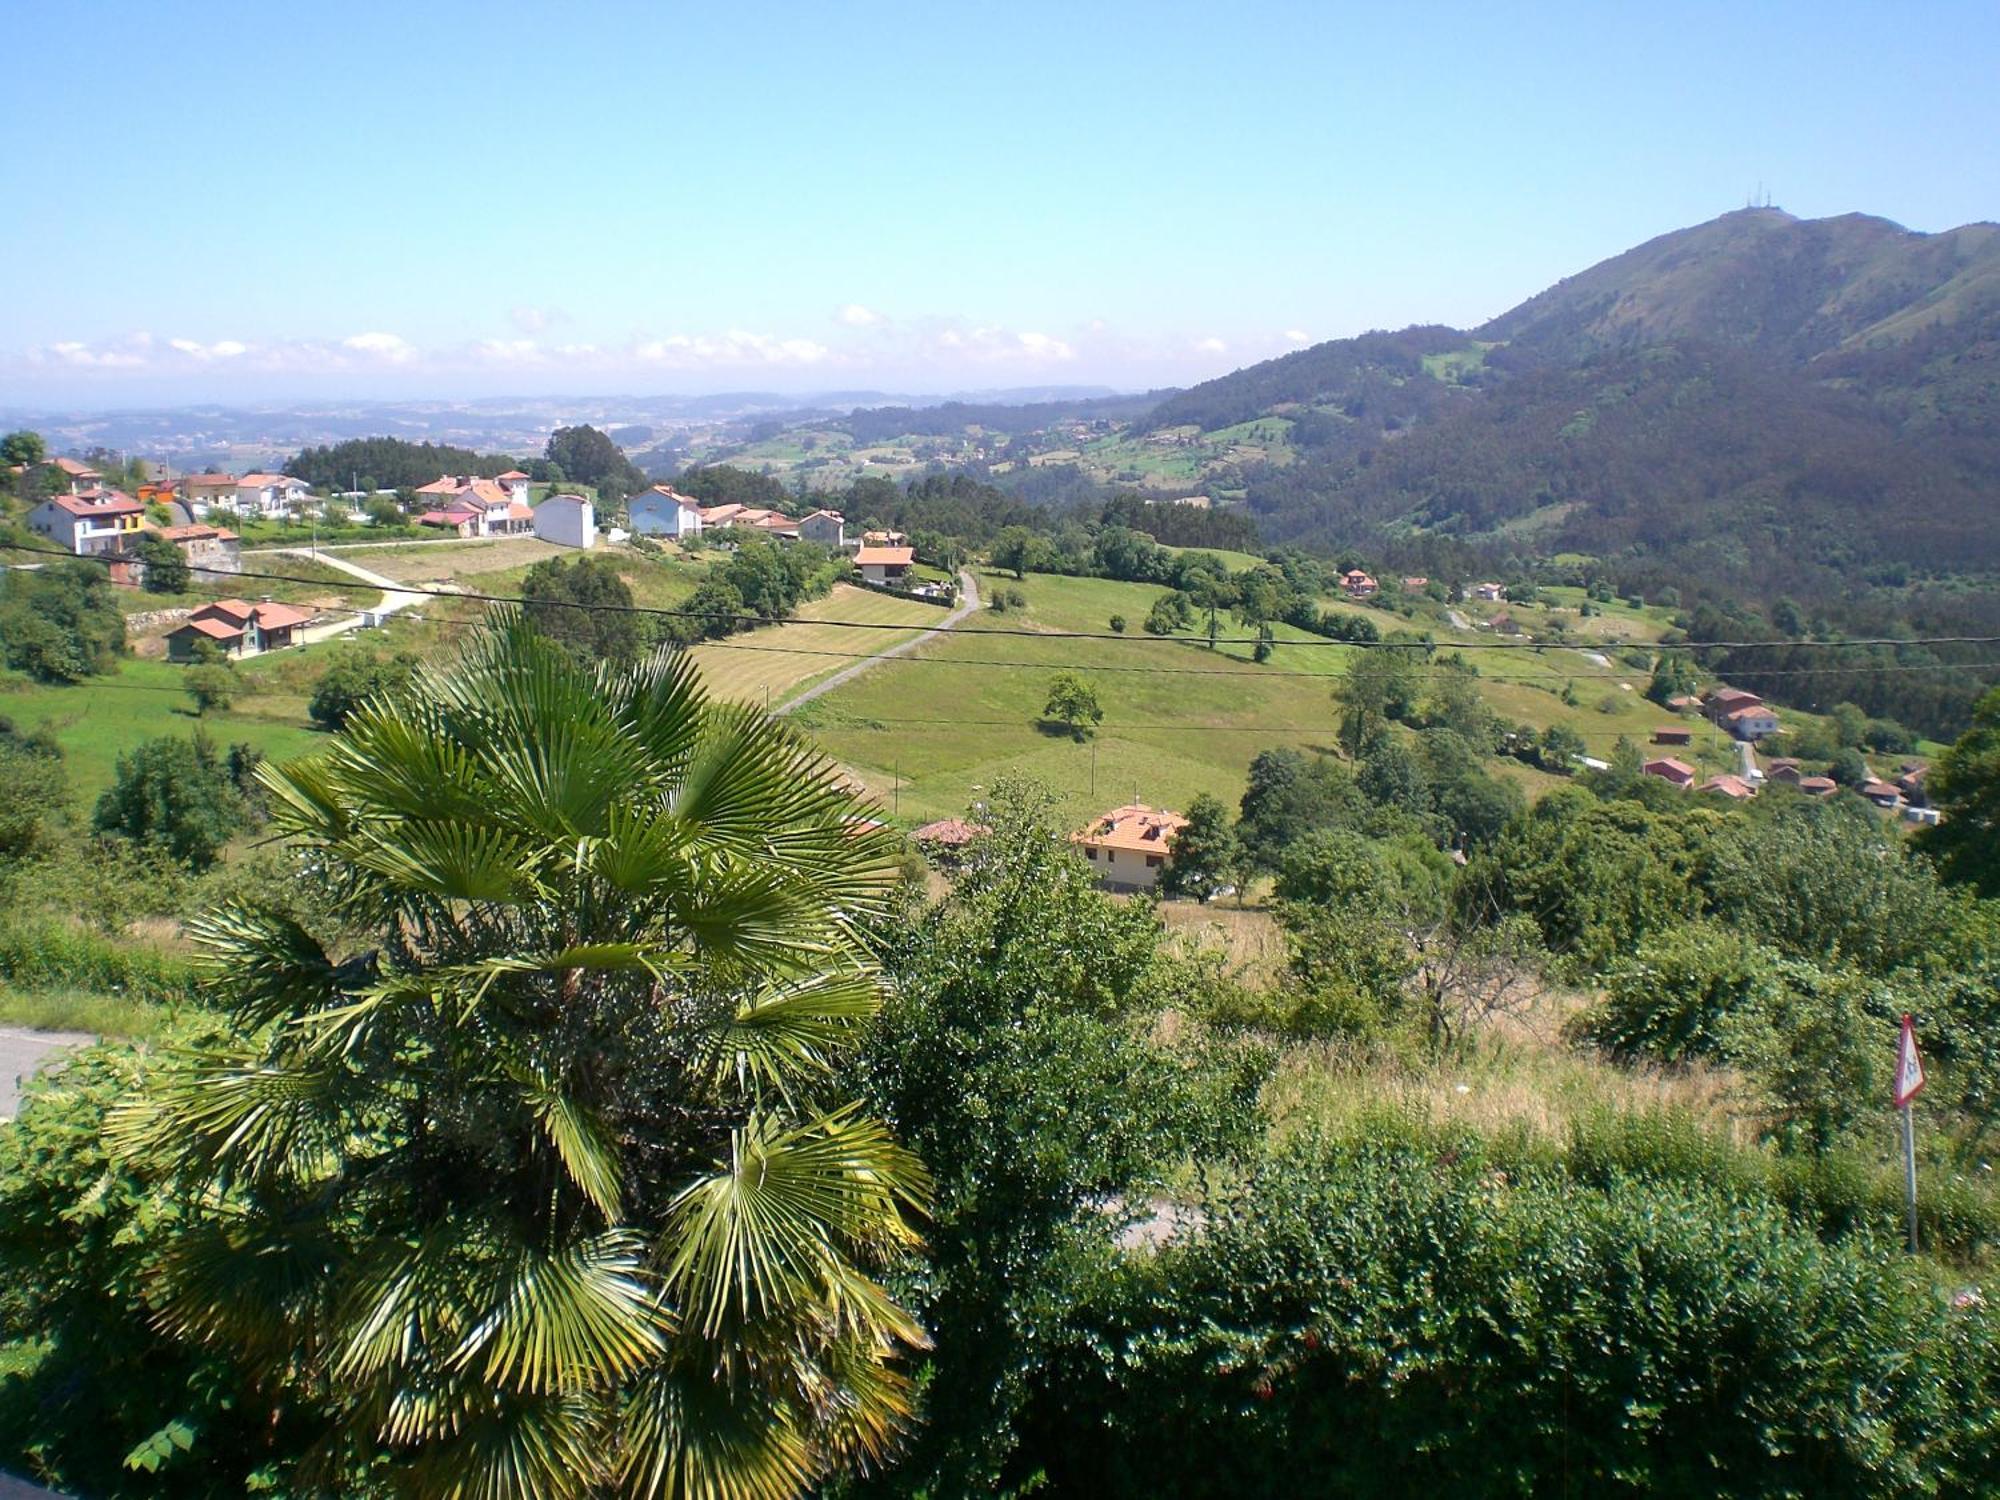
x: 968, y: 601
x: 22, y: 1052
x: 394, y: 596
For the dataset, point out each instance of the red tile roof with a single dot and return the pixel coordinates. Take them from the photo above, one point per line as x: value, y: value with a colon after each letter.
x: 114, y: 504
x: 279, y: 616
x: 950, y: 831
x: 216, y: 630
x: 1138, y: 828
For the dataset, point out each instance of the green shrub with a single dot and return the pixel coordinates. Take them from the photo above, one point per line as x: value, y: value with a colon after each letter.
x: 48, y: 953
x: 1392, y: 1318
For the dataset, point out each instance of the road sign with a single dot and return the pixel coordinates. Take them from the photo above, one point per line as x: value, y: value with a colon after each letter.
x: 1909, y: 1065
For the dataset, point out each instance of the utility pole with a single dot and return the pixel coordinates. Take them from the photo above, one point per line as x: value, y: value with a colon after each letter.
x: 1909, y: 1083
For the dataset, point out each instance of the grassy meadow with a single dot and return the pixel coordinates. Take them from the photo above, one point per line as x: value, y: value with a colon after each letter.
x: 764, y: 666
x: 929, y: 732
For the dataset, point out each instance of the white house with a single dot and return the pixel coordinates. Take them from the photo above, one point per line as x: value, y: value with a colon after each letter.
x: 664, y: 511
x: 825, y: 528
x: 885, y: 564
x: 88, y: 523
x: 1129, y: 846
x: 566, y: 520
x: 270, y: 494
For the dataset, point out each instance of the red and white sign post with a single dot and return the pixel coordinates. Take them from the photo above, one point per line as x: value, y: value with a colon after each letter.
x: 1909, y: 1083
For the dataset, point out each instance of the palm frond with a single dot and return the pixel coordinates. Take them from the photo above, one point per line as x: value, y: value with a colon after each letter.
x: 511, y: 1447
x: 794, y: 1027
x: 685, y: 1435
x: 274, y: 967
x: 770, y: 1231
x: 661, y: 703
x: 452, y: 860
x: 582, y: 1318
x: 578, y: 1138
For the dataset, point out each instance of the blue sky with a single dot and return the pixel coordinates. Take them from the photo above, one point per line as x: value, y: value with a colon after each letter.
x: 266, y: 201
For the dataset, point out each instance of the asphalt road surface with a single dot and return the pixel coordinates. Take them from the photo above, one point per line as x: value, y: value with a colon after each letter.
x: 22, y: 1052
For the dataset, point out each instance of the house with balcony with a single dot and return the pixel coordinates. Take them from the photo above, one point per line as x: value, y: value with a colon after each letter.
x: 89, y: 523
x: 270, y: 495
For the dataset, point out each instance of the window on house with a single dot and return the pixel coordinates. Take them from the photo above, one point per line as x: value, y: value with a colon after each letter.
x: 1152, y: 861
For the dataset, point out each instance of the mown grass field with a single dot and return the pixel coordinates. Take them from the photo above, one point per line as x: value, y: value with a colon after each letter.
x: 765, y: 666
x: 97, y: 721
x: 929, y: 733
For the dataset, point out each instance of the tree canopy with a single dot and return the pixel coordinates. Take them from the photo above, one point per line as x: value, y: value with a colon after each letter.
x: 553, y: 1186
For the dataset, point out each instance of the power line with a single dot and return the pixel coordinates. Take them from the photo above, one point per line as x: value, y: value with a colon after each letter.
x: 1066, y: 635
x: 1246, y: 669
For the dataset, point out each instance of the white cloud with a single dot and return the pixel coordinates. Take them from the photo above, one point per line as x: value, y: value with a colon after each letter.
x: 854, y: 315
x: 992, y: 345
x: 507, y: 352
x: 1297, y: 336
x: 1041, y: 346
x: 220, y: 349
x: 391, y: 347
x: 127, y: 356
x: 684, y: 351
x: 1210, y: 345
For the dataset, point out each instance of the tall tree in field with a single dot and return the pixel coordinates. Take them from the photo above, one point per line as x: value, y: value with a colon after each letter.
x: 1073, y: 704
x: 1380, y: 684
x: 553, y: 1187
x: 1202, y: 855
x: 585, y: 606
x: 23, y: 449
x: 587, y: 456
x: 1965, y: 786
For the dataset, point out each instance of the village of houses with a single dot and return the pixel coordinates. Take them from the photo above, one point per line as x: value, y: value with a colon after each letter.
x: 92, y: 520
x: 1128, y: 845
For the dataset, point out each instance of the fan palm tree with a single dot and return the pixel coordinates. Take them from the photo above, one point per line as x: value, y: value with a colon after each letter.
x: 551, y: 1188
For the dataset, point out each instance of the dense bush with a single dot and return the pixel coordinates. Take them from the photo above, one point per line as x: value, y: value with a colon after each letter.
x: 60, y: 623
x: 1392, y: 1318
x: 49, y: 953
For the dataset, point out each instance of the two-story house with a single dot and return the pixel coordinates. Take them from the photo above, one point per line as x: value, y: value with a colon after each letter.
x: 270, y: 494
x: 665, y: 511
x: 91, y: 522
x: 1129, y: 845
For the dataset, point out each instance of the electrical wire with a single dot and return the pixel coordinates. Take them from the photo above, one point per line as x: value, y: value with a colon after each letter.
x: 751, y: 620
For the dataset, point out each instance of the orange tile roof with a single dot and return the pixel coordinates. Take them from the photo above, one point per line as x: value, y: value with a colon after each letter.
x: 236, y: 609
x: 885, y: 556
x: 258, y: 481
x: 1137, y: 828
x: 1729, y: 786
x: 1680, y: 770
x: 278, y: 616
x: 215, y: 630
x: 950, y: 831
x: 76, y: 470
x: 113, y: 504
x: 511, y: 474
